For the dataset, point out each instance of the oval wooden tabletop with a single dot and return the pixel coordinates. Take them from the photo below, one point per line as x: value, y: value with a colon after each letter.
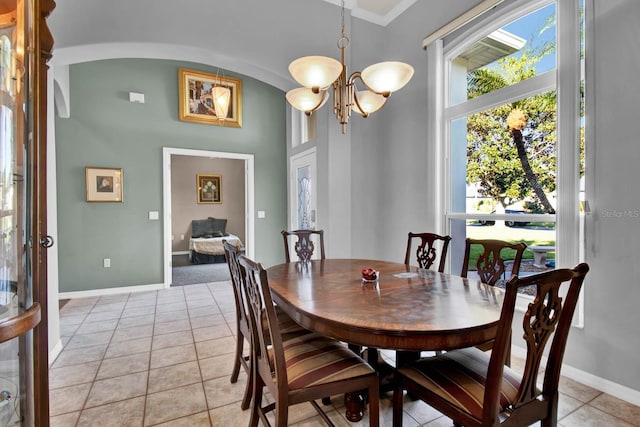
x: 404, y: 310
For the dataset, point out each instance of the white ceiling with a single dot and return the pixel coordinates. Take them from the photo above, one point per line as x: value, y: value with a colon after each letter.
x: 380, y: 12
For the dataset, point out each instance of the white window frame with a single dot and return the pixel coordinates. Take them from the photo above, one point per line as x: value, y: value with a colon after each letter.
x: 566, y: 78
x: 303, y: 128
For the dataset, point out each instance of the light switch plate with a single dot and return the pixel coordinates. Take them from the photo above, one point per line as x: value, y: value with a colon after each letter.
x: 136, y: 97
x: 262, y: 214
x: 153, y: 215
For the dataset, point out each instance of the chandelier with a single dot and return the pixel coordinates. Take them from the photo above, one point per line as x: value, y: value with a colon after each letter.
x: 319, y: 73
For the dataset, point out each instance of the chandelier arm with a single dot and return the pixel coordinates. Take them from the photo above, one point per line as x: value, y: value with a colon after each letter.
x: 351, y: 83
x: 363, y: 113
x: 355, y: 75
x: 358, y: 75
x: 314, y: 109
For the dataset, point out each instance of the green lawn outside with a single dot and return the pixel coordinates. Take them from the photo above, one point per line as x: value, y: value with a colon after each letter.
x: 535, y: 234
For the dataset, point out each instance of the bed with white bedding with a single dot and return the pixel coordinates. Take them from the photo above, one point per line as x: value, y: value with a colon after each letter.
x: 212, y: 245
x: 205, y: 245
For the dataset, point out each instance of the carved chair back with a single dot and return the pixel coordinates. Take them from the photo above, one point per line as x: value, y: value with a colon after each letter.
x: 426, y: 252
x: 549, y: 315
x: 243, y: 331
x: 232, y: 253
x: 491, y: 264
x: 304, y: 245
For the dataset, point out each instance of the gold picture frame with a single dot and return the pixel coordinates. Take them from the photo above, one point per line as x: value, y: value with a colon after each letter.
x: 103, y: 184
x: 195, y: 98
x: 209, y: 188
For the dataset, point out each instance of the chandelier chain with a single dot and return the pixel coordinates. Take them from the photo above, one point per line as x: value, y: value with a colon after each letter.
x: 343, y: 41
x: 342, y: 17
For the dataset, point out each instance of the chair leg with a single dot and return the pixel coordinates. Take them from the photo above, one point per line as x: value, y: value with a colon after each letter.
x: 397, y: 406
x: 406, y: 357
x: 282, y: 413
x: 248, y: 389
x: 374, y: 405
x: 256, y: 399
x: 552, y: 417
x: 239, y: 350
x: 357, y: 349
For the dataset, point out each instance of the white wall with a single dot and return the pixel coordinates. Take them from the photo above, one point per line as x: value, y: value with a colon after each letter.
x: 389, y: 149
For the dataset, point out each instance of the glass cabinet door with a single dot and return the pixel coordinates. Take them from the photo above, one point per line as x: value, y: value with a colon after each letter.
x: 23, y: 358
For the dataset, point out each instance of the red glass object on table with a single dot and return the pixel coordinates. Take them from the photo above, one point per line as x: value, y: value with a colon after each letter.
x: 369, y: 275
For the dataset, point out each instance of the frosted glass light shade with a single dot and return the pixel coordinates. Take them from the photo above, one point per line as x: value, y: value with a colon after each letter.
x: 304, y: 99
x: 221, y: 96
x: 387, y: 77
x: 315, y: 71
x: 369, y: 101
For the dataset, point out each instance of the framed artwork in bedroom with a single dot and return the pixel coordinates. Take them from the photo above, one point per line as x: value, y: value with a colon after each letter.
x: 209, y: 188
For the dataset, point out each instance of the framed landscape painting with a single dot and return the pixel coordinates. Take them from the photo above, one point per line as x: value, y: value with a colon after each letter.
x: 196, y: 99
x: 103, y: 184
x: 209, y: 188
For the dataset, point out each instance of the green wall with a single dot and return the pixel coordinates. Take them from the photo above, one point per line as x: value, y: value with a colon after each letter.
x: 105, y: 129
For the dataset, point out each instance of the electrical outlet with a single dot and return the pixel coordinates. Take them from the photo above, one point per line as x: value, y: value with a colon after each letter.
x: 106, y: 263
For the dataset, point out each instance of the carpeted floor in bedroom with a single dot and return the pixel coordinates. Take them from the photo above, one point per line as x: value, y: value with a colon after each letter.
x: 185, y: 273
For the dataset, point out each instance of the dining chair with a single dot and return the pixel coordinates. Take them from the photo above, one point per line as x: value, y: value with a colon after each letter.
x: 243, y: 331
x: 299, y: 369
x: 491, y: 267
x: 304, y: 245
x: 243, y: 326
x: 491, y: 261
x: 426, y: 252
x: 426, y: 255
x: 474, y: 388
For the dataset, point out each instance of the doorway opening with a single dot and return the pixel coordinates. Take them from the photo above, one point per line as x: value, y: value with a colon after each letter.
x: 249, y: 193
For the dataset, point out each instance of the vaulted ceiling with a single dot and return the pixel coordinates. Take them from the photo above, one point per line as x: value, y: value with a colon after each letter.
x: 257, y: 38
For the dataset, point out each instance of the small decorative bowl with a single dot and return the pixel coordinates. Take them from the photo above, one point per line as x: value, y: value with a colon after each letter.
x: 370, y: 275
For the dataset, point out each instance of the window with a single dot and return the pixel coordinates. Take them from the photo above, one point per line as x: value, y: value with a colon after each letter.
x: 303, y: 127
x: 508, y: 123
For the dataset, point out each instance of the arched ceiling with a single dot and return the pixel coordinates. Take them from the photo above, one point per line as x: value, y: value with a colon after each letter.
x: 257, y: 38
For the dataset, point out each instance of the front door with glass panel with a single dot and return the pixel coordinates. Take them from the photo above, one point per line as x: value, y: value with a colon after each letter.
x: 302, y: 197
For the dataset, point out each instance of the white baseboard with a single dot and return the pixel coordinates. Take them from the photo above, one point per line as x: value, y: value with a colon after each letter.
x: 109, y: 291
x: 181, y: 253
x: 53, y: 354
x: 614, y: 389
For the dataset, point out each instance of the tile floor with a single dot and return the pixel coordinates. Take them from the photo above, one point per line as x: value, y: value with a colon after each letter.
x: 165, y: 357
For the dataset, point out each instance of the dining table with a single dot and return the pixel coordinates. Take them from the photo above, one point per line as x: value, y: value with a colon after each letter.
x: 407, y: 308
